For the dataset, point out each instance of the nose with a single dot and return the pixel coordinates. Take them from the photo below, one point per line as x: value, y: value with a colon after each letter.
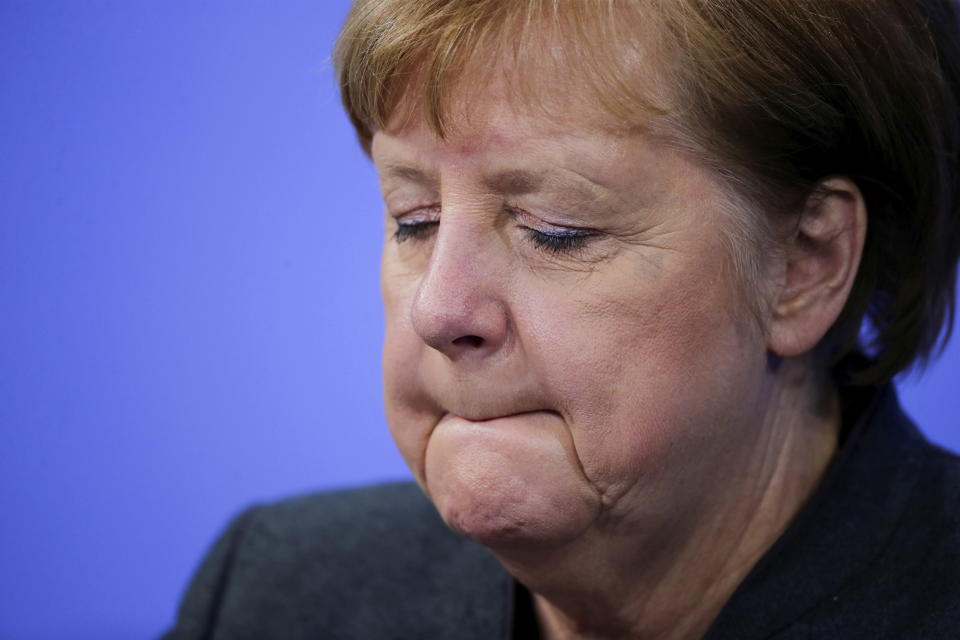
x: 459, y: 307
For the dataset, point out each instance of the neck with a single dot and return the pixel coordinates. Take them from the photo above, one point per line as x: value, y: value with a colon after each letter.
x: 668, y: 578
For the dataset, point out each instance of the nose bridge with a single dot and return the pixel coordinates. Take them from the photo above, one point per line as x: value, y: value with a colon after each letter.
x: 459, y: 307
x: 449, y: 285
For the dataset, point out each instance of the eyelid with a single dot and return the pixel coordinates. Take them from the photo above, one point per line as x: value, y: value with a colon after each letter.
x: 416, y: 223
x: 551, y: 238
x: 535, y: 223
x: 421, y: 222
x: 429, y: 213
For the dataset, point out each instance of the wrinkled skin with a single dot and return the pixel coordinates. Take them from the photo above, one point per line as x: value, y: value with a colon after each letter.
x: 627, y: 368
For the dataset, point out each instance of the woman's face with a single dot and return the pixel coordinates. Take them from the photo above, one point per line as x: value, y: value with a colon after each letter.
x: 568, y: 349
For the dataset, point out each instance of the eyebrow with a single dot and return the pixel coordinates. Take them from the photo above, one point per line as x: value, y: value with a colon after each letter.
x: 411, y: 174
x: 577, y: 189
x: 512, y: 183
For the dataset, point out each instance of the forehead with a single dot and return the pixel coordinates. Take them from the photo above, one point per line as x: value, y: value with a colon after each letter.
x: 513, y: 150
x: 512, y: 117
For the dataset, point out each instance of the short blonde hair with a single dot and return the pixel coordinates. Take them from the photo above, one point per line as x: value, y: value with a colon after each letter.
x: 775, y: 95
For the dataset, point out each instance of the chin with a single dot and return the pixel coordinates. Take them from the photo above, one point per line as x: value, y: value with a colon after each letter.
x: 506, y: 491
x: 494, y: 522
x: 510, y: 519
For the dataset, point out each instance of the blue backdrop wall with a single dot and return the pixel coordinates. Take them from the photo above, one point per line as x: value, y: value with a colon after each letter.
x: 189, y: 312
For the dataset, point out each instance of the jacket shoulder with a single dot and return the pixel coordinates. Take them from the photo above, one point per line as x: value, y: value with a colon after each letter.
x: 358, y: 563
x: 913, y: 589
x: 366, y: 513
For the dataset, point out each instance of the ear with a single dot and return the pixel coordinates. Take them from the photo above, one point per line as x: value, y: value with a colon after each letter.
x: 820, y: 261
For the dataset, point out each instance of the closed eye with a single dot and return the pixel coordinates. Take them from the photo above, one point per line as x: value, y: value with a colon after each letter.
x: 414, y: 230
x: 549, y: 238
x: 559, y: 241
x: 556, y: 240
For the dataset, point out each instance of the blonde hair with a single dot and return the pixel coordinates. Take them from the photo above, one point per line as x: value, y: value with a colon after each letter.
x: 775, y: 95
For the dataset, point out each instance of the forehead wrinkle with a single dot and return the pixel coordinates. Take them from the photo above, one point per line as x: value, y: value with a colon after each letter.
x: 569, y: 187
x: 573, y: 175
x: 576, y: 189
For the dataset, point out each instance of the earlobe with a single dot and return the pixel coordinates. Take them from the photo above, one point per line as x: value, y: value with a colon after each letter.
x: 821, y: 259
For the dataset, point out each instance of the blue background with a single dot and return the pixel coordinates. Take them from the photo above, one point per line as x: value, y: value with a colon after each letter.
x: 189, y: 312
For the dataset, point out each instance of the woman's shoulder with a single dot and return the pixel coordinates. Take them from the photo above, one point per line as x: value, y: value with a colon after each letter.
x: 928, y: 532
x: 875, y: 553
x: 907, y: 585
x: 911, y: 587
x: 363, y: 539
x: 368, y: 561
x: 364, y: 510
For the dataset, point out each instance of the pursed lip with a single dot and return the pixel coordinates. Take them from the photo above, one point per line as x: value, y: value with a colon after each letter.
x: 488, y: 418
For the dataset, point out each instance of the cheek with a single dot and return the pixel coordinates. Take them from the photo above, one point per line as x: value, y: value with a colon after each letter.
x: 409, y: 425
x: 409, y: 411
x: 647, y: 374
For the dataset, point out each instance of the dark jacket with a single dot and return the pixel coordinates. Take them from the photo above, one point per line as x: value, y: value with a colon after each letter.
x: 874, y: 554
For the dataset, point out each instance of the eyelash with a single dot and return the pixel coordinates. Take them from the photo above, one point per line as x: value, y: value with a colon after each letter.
x: 567, y: 241
x: 414, y: 230
x: 564, y: 242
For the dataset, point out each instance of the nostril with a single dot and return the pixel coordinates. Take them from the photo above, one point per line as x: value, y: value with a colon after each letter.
x: 468, y: 341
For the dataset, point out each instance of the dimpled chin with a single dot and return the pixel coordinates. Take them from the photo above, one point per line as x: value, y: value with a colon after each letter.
x: 509, y: 482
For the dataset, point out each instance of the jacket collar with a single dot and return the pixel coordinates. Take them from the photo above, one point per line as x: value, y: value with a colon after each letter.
x: 844, y: 526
